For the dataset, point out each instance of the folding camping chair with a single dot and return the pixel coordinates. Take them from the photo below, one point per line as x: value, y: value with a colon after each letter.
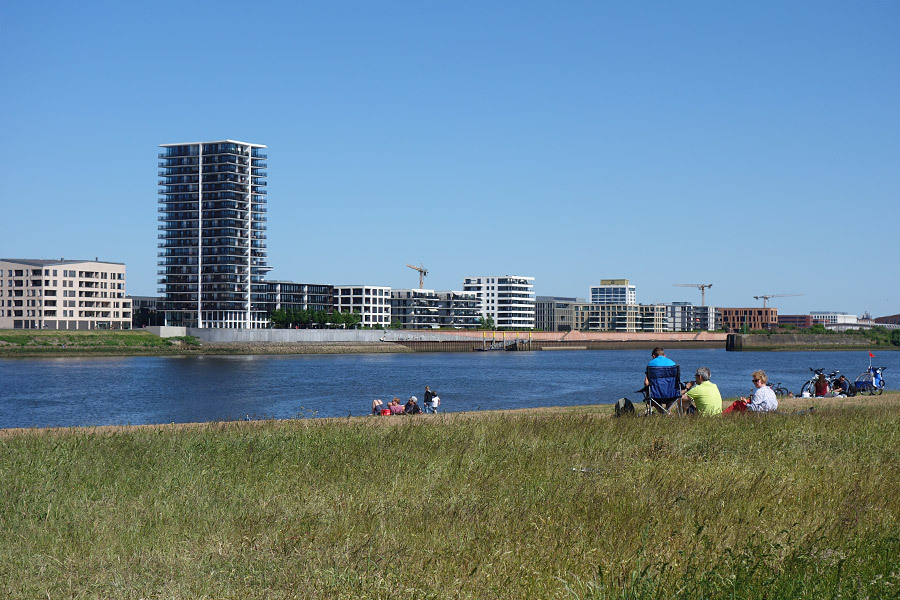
x: 664, y: 389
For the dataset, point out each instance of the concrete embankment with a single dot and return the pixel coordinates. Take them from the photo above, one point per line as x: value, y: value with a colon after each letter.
x: 786, y: 341
x: 312, y: 341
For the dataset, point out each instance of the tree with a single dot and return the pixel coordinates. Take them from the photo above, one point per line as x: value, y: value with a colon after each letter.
x: 353, y: 319
x: 486, y: 322
x: 279, y: 318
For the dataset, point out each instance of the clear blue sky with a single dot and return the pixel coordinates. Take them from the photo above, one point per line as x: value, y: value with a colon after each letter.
x: 751, y: 145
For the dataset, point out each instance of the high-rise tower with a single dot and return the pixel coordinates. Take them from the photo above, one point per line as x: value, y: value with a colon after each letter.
x: 212, y: 232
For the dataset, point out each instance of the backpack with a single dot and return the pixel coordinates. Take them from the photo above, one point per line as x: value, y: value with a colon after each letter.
x: 624, y: 406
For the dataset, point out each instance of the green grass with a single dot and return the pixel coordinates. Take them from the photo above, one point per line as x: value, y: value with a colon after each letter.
x: 39, y: 342
x: 460, y: 506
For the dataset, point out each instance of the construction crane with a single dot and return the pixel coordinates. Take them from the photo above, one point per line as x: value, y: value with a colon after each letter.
x: 422, y: 273
x: 765, y: 297
x: 700, y: 286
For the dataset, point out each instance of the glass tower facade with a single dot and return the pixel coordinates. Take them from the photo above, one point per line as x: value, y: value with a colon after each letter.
x: 212, y: 234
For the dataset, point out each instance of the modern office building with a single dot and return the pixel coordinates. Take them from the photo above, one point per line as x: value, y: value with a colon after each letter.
x: 428, y: 309
x: 290, y: 295
x: 212, y: 232
x: 739, y: 319
x: 372, y: 302
x: 508, y: 300
x: 63, y: 294
x: 613, y: 291
x: 623, y: 318
x: 827, y: 317
x: 801, y: 321
x: 684, y: 316
x: 555, y: 313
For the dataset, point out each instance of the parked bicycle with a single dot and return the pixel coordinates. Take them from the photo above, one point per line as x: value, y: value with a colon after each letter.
x: 780, y: 391
x: 871, y: 381
x: 810, y: 386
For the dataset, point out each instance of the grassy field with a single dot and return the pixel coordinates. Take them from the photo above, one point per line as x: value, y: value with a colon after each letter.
x: 556, y: 503
x: 21, y: 342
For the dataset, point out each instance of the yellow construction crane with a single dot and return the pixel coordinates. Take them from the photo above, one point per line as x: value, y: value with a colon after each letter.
x: 765, y: 297
x: 701, y: 286
x: 422, y: 273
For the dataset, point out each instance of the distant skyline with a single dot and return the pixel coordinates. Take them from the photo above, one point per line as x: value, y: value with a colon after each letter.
x: 754, y: 146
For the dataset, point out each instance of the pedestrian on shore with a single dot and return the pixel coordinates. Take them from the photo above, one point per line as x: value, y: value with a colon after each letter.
x: 429, y: 401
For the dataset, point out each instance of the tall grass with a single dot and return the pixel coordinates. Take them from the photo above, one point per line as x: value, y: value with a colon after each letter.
x: 567, y: 504
x: 44, y: 342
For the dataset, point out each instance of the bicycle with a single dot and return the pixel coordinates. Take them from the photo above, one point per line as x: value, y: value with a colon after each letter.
x: 810, y: 386
x: 780, y: 391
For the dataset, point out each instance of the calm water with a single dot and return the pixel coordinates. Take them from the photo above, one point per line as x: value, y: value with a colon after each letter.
x: 140, y: 390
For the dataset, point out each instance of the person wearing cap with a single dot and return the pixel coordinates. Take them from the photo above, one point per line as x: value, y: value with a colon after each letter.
x: 412, y: 406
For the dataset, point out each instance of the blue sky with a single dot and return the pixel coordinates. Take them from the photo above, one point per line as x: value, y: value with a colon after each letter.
x: 751, y: 145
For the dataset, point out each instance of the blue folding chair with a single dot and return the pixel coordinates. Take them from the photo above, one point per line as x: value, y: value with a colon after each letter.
x: 664, y: 388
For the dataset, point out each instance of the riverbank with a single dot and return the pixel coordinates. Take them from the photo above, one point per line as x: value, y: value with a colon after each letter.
x: 536, y: 503
x: 32, y: 343
x: 737, y: 342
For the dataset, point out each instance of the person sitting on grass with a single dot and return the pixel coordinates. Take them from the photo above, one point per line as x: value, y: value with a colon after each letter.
x: 376, y: 406
x: 763, y: 399
x: 412, y: 406
x: 395, y: 407
x: 703, y: 394
x: 841, y: 388
x: 821, y: 386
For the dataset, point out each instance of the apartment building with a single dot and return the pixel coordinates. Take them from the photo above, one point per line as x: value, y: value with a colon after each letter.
x: 684, y: 316
x: 212, y: 232
x: 508, y: 300
x: 298, y: 296
x: 555, y: 313
x: 613, y: 291
x: 63, y: 294
x: 738, y: 319
x: 623, y: 318
x: 429, y: 309
x: 372, y: 302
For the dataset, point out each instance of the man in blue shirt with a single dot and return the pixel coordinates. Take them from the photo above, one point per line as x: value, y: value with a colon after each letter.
x: 659, y: 359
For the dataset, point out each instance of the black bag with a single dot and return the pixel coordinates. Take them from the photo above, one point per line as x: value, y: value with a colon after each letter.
x: 624, y: 406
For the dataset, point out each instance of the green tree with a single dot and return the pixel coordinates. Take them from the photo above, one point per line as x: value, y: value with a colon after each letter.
x: 337, y: 319
x: 486, y: 322
x: 352, y: 320
x: 279, y: 318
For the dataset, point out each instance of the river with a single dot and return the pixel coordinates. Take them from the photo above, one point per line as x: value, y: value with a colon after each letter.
x: 53, y: 392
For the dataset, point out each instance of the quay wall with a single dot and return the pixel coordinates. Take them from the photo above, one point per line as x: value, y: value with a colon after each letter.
x: 453, y: 341
x: 786, y: 341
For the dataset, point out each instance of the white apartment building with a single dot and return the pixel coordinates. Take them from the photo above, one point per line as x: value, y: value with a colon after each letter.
x: 833, y: 318
x: 613, y: 291
x: 63, y: 294
x: 372, y: 302
x: 509, y: 299
x: 684, y: 316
